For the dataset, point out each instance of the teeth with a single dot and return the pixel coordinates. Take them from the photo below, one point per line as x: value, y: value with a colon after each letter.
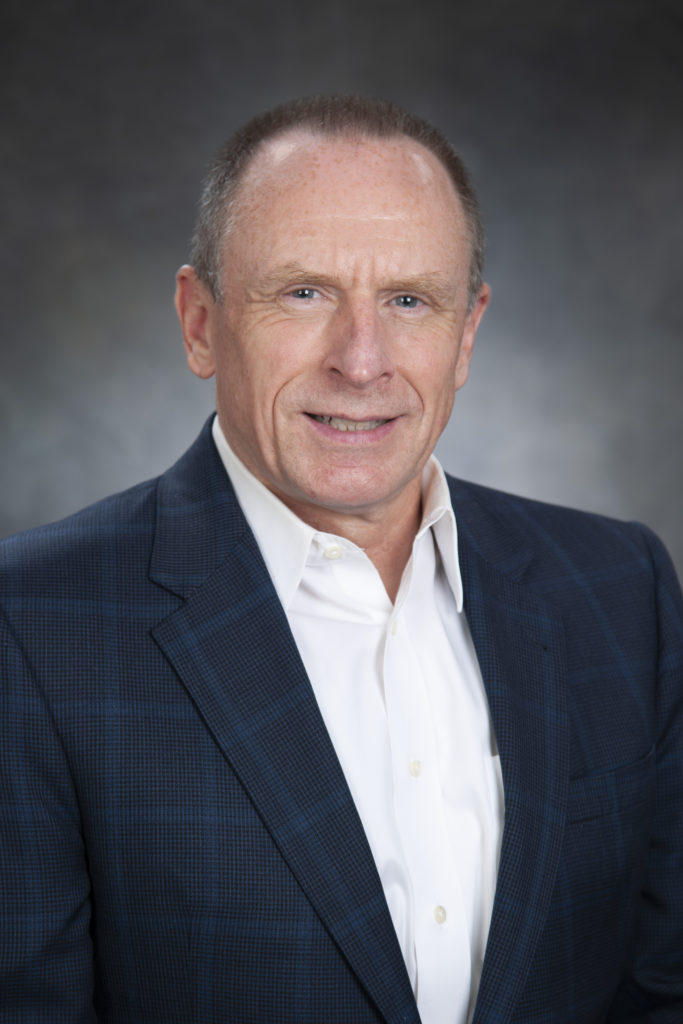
x: 340, y: 424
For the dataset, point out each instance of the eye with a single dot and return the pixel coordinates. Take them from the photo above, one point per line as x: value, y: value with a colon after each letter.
x: 407, y: 301
x: 305, y: 294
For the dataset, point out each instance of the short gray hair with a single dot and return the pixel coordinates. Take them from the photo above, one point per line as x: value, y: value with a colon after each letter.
x: 325, y: 116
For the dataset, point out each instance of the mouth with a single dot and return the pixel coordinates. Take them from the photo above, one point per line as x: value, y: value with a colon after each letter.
x: 342, y: 424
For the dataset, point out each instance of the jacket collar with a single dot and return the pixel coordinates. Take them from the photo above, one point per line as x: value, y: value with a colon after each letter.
x: 198, y: 519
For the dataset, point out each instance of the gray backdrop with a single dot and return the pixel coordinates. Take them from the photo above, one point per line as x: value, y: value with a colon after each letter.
x: 569, y: 115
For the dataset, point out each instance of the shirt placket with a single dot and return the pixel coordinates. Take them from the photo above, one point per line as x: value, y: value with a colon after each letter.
x: 441, y: 933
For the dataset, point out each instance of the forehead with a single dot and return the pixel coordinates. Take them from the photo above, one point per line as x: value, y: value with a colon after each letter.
x: 354, y: 176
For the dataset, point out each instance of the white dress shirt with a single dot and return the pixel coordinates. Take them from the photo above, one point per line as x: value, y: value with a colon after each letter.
x: 402, y: 697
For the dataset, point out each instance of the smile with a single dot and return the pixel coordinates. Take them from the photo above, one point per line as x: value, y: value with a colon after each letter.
x: 338, y: 423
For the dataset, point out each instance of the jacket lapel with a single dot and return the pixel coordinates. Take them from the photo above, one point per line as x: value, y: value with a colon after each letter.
x: 520, y: 646
x: 241, y: 667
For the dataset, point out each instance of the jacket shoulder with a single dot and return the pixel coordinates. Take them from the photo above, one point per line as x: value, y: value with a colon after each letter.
x: 113, y: 530
x: 561, y: 538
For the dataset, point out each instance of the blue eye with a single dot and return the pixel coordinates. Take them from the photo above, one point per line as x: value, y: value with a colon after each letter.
x: 407, y: 301
x: 304, y: 293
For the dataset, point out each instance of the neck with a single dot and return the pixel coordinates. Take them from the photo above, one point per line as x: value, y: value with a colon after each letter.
x: 386, y: 538
x: 391, y: 560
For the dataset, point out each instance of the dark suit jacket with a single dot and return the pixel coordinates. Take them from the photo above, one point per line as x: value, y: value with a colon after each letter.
x: 177, y: 841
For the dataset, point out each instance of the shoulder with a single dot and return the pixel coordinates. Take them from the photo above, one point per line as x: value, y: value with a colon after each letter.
x: 558, y: 544
x: 526, y: 510
x: 112, y: 532
x: 610, y: 581
x: 118, y: 530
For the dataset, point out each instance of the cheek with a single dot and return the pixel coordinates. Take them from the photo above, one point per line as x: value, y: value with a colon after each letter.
x: 272, y: 348
x: 432, y: 375
x: 260, y: 391
x: 243, y: 367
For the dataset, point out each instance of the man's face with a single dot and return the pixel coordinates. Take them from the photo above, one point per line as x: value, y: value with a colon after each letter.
x: 343, y: 333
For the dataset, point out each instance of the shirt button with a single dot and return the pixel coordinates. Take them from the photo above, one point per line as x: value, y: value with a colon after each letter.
x: 415, y: 768
x: 333, y: 551
x: 439, y: 914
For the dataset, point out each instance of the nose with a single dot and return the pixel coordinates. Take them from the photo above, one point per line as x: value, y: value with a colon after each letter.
x: 358, y: 345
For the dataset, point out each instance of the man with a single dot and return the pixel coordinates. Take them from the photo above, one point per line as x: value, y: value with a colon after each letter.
x: 303, y: 731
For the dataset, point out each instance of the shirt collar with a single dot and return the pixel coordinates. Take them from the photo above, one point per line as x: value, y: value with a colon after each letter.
x: 285, y: 540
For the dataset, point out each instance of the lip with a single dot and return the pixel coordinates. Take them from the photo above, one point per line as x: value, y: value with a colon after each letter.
x: 364, y: 433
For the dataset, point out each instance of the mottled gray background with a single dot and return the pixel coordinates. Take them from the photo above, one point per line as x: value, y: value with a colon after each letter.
x: 570, y: 117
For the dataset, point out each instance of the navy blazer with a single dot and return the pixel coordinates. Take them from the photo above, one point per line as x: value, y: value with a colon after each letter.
x: 178, y: 844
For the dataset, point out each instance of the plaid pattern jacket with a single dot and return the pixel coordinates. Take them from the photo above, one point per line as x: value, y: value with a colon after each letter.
x: 177, y: 841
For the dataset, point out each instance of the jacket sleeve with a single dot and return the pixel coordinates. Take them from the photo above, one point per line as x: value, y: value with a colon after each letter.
x: 45, y: 948
x: 652, y: 988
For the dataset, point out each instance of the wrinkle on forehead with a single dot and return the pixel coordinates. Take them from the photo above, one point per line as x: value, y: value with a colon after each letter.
x: 352, y: 217
x: 353, y: 194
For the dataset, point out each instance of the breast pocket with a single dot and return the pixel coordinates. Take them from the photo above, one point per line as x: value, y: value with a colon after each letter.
x: 621, y: 790
x: 600, y: 877
x: 601, y: 873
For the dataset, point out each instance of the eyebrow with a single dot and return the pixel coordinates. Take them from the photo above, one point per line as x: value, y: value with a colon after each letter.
x: 433, y: 284
x: 287, y: 273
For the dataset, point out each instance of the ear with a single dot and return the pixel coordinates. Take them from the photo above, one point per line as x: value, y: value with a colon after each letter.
x: 194, y: 305
x: 469, y: 331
